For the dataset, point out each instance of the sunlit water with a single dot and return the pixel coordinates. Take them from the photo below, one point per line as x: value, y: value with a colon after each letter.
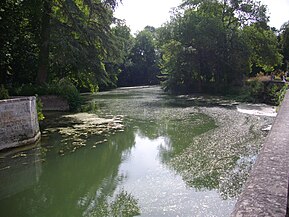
x: 135, y: 171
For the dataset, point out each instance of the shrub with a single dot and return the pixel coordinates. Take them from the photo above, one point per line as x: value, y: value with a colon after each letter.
x: 276, y: 94
x: 39, y: 107
x: 63, y: 87
x: 69, y: 92
x: 263, y: 92
x: 3, y: 92
x: 252, y: 91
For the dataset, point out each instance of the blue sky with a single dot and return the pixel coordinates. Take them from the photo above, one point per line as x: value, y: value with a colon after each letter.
x: 140, y: 13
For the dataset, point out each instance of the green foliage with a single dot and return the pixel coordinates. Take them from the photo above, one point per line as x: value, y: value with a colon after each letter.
x: 263, y: 92
x: 3, y: 92
x: 82, y: 42
x: 39, y: 107
x: 71, y: 39
x: 63, y: 87
x: 142, y: 67
x: 118, y: 59
x: 209, y: 46
x: 284, y: 42
x: 70, y: 92
x: 263, y: 47
x: 19, y: 40
x: 252, y: 91
x: 276, y: 94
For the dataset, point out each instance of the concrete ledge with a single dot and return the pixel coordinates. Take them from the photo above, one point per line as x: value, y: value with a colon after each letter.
x: 266, y: 190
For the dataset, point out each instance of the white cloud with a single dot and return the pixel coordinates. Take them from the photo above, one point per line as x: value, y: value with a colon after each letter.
x: 278, y: 12
x: 140, y: 13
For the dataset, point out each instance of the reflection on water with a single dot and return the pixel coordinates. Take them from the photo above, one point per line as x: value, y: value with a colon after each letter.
x: 161, y: 191
x: 19, y: 171
x: 173, y: 159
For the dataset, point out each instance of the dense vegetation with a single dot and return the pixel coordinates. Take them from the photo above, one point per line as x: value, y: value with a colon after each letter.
x: 212, y: 45
x: 207, y: 46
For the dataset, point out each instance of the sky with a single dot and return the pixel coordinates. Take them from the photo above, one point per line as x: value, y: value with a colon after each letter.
x: 140, y: 13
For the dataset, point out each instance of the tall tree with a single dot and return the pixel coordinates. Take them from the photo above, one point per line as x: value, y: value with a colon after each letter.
x: 19, y: 26
x: 85, y: 27
x: 64, y: 38
x: 43, y: 66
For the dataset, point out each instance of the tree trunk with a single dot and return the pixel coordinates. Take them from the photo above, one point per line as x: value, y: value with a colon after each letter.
x: 43, y: 66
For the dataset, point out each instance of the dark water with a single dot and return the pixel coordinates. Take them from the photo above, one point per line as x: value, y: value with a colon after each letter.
x: 130, y: 173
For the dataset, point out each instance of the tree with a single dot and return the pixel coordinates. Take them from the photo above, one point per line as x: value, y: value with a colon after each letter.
x: 63, y: 38
x: 43, y: 65
x: 118, y: 58
x: 143, y: 68
x: 263, y: 47
x: 19, y: 26
x: 207, y: 40
x: 84, y: 27
x: 285, y: 44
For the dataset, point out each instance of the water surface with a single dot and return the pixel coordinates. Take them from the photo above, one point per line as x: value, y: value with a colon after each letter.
x: 175, y: 157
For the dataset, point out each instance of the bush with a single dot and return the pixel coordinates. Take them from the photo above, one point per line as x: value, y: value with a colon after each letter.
x: 276, y: 94
x: 3, y: 92
x: 63, y: 87
x: 39, y: 107
x: 252, y: 91
x: 69, y: 92
x: 263, y: 92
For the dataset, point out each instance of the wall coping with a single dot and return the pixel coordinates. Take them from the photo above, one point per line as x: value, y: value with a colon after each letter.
x: 30, y: 98
x: 266, y: 190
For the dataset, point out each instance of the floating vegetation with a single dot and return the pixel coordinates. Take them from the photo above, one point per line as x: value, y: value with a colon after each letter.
x: 23, y: 155
x: 19, y: 155
x: 77, y: 128
x: 5, y: 168
x: 222, y: 158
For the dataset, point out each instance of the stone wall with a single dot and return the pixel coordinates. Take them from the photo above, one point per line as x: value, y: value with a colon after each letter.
x: 18, y: 122
x: 54, y: 103
x: 266, y: 190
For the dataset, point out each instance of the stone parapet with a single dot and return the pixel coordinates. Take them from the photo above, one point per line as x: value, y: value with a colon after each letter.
x: 18, y: 122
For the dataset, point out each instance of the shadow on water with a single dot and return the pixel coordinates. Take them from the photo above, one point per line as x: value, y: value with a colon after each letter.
x: 68, y: 185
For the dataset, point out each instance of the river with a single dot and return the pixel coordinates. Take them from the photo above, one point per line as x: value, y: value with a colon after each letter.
x: 168, y: 156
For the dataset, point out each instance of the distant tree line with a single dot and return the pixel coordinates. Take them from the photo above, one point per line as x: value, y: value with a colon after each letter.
x: 208, y: 45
